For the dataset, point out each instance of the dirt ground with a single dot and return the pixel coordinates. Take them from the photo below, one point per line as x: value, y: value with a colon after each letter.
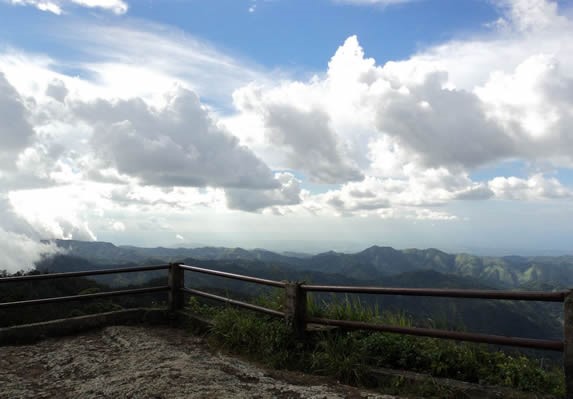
x: 148, y: 362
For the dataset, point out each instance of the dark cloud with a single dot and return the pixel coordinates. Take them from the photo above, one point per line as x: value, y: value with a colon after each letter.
x: 254, y: 200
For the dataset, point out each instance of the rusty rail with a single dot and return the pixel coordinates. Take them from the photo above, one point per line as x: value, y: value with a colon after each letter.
x: 241, y: 277
x: 234, y: 302
x: 445, y: 334
x: 558, y: 296
x: 51, y: 276
x: 70, y: 298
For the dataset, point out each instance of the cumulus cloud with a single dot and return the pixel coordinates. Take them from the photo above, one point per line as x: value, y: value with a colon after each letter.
x: 57, y: 6
x: 19, y: 240
x: 57, y: 90
x: 447, y: 127
x: 535, y: 187
x: 534, y: 105
x: 529, y: 15
x: 418, y: 128
x: 311, y: 144
x: 20, y: 252
x: 399, y: 140
x: 176, y: 145
x: 15, y: 130
x: 60, y: 215
x: 250, y: 200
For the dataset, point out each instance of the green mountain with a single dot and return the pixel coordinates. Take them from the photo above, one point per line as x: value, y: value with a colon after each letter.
x: 378, y: 266
x: 527, y: 319
x: 374, y: 262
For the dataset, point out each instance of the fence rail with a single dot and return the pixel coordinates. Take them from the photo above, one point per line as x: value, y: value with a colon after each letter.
x: 273, y: 283
x: 446, y: 334
x: 234, y: 302
x: 52, y: 276
x: 296, y: 305
x: 71, y: 298
x: 543, y: 296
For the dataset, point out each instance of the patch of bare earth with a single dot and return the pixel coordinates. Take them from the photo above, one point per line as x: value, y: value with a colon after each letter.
x: 148, y: 362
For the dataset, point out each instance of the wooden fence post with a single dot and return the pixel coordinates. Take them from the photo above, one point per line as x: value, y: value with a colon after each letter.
x: 568, y: 340
x: 175, y: 282
x: 296, y: 308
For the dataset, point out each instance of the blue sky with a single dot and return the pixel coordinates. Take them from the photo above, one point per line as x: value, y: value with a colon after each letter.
x: 301, y: 35
x: 287, y: 124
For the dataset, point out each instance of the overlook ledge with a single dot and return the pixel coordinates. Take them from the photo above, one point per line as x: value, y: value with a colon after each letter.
x: 148, y: 362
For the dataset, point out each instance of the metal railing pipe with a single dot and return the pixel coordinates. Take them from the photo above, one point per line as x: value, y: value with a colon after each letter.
x: 50, y: 276
x: 233, y: 302
x: 135, y: 291
x: 558, y: 296
x: 444, y: 334
x: 234, y: 276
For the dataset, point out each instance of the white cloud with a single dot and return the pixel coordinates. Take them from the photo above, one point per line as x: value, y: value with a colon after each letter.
x: 534, y: 106
x: 176, y: 145
x: 60, y: 214
x: 394, y: 141
x: 308, y: 142
x: 417, y: 128
x: 158, y: 55
x: 57, y: 6
x: 528, y: 15
x: 19, y: 240
x: 15, y: 130
x: 118, y: 226
x: 535, y: 187
x: 445, y: 127
x: 19, y: 252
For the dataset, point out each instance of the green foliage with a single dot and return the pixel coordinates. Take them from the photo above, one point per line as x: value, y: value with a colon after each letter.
x: 273, y: 299
x: 200, y: 308
x: 351, y: 308
x: 20, y: 291
x: 256, y: 336
x: 348, y: 356
x: 341, y: 356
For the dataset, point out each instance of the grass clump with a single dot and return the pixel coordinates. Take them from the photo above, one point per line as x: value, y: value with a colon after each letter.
x: 260, y: 337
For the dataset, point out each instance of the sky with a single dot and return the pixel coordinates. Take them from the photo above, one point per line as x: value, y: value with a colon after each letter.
x: 286, y: 124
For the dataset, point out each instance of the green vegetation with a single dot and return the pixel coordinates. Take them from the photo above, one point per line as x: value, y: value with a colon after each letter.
x: 378, y: 266
x: 20, y: 291
x: 349, y: 356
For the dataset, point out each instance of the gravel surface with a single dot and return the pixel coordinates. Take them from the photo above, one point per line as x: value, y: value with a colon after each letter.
x: 148, y: 362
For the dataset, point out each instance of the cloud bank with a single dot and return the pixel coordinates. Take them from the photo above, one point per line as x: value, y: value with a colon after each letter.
x: 209, y: 133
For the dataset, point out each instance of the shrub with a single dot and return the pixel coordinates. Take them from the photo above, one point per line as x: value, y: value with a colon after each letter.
x: 348, y: 356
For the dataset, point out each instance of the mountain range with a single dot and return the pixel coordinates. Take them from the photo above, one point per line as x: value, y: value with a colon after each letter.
x: 377, y: 266
x: 542, y: 272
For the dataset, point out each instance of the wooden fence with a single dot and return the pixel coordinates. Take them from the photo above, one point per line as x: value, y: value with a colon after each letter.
x: 295, y: 309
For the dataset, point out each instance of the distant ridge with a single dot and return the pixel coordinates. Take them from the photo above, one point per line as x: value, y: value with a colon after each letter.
x: 375, y: 261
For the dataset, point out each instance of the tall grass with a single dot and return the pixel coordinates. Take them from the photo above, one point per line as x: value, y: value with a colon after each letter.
x: 348, y: 356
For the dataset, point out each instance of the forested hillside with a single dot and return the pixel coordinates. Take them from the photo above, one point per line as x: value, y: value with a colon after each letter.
x: 379, y: 266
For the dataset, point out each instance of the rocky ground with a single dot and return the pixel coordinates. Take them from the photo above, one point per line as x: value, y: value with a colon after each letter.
x: 148, y: 362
